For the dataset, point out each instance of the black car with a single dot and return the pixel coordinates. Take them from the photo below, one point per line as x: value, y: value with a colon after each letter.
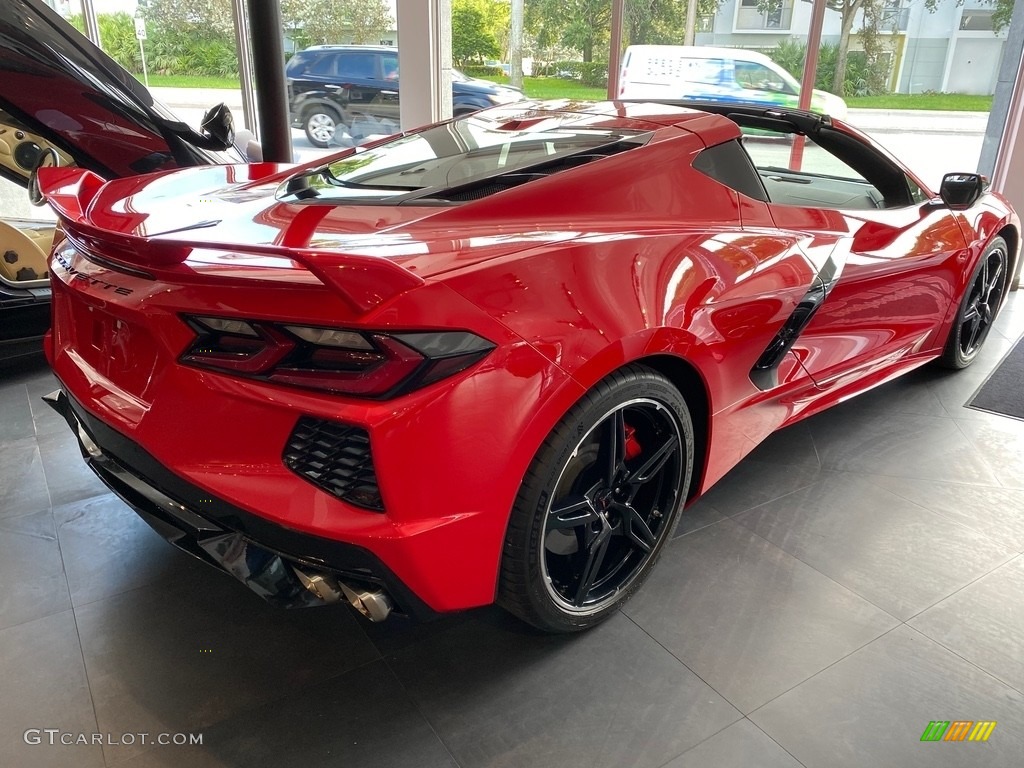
x: 356, y: 86
x: 65, y: 102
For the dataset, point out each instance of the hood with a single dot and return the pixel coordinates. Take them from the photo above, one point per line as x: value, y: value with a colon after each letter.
x: 59, y: 87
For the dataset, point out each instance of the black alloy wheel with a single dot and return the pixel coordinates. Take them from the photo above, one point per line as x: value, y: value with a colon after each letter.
x: 599, y: 503
x: 978, y: 310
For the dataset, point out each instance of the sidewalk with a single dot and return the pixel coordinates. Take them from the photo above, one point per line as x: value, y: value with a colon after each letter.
x: 918, y: 121
x: 198, y: 98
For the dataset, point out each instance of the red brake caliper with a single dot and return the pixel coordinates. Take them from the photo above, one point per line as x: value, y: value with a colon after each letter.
x: 633, y: 447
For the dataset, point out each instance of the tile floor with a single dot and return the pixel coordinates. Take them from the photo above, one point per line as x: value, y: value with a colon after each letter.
x: 856, y: 577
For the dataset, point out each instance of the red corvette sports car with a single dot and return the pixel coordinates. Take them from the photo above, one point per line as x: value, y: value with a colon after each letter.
x: 494, y: 358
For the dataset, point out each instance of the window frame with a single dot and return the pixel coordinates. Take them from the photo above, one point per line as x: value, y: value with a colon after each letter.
x: 890, y: 180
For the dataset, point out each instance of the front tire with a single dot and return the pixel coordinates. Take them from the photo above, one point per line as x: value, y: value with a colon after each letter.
x: 979, y: 307
x: 321, y: 124
x: 599, y: 502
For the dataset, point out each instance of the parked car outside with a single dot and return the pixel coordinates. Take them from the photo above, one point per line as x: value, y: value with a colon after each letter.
x: 355, y: 88
x: 711, y: 74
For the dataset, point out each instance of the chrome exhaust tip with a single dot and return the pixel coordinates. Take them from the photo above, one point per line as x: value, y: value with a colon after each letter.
x: 375, y: 605
x: 324, y: 588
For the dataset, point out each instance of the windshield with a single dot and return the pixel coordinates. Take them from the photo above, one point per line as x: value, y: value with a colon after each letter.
x: 460, y: 152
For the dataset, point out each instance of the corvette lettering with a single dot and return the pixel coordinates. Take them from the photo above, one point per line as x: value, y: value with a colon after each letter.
x: 77, y: 274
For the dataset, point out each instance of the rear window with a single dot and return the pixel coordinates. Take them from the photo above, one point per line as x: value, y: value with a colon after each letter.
x: 297, y: 64
x: 466, y: 151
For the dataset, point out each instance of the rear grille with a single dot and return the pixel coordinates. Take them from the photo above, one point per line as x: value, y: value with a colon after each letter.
x: 336, y: 458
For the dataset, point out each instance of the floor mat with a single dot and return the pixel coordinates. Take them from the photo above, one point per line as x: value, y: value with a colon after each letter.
x: 1003, y: 391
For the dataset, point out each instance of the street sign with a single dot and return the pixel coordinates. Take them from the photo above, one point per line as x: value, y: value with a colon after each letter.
x: 140, y: 29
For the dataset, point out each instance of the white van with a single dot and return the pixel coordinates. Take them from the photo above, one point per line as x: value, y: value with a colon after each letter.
x: 714, y: 74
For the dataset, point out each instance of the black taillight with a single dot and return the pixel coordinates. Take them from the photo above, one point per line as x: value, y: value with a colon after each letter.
x: 358, y: 363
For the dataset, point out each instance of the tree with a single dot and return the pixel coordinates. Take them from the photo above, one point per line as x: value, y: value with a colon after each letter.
x: 579, y: 24
x: 316, y: 22
x: 847, y: 10
x: 584, y: 25
x: 874, y: 20
x: 515, y: 47
x: 471, y: 38
x: 190, y: 37
x: 204, y: 19
x: 1002, y: 15
x: 1000, y: 18
x: 661, y: 22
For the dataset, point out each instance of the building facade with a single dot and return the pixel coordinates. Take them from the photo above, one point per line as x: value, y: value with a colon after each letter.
x: 952, y: 49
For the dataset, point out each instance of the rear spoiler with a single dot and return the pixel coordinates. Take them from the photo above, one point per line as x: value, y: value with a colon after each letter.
x: 364, y: 282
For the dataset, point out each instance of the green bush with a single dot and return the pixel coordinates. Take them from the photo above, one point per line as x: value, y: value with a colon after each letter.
x: 856, y: 82
x: 176, y: 54
x: 595, y: 74
x: 568, y: 70
x: 789, y: 55
x: 590, y: 73
x: 477, y: 70
x: 167, y: 53
x: 117, y: 33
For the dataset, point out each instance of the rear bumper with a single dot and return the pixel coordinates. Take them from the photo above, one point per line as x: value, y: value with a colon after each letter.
x: 286, y: 567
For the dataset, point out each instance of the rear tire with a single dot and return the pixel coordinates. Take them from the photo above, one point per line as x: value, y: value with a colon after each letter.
x: 979, y: 307
x: 598, y: 504
x: 321, y: 123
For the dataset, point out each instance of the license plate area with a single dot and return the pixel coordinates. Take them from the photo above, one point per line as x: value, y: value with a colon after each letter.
x: 120, y: 350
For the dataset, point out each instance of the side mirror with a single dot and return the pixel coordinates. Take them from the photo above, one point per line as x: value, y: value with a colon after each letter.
x: 219, y: 126
x: 960, y: 191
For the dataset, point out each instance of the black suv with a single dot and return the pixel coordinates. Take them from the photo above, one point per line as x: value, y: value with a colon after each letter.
x: 356, y: 86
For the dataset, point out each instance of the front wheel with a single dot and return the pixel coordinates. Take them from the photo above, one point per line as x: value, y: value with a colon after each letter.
x: 980, y: 305
x: 598, y: 503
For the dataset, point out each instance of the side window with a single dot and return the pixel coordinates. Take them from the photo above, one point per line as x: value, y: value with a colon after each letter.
x: 917, y: 194
x: 728, y: 164
x: 358, y: 66
x: 771, y: 152
x: 758, y: 77
x: 823, y: 180
x: 323, y: 66
x: 389, y: 66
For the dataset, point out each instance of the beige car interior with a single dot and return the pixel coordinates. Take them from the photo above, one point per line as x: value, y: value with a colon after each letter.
x: 24, y: 243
